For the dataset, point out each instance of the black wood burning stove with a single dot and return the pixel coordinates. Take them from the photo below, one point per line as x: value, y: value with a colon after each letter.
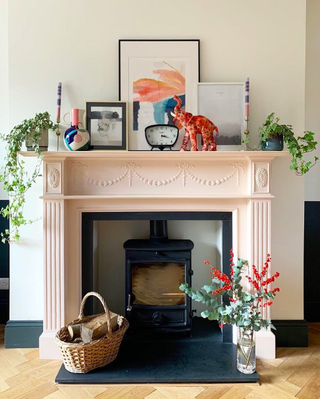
x: 155, y: 268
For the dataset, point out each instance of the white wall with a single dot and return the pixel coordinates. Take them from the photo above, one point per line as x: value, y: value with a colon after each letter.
x: 287, y: 240
x: 206, y: 236
x: 312, y: 187
x: 26, y: 260
x: 76, y: 42
x: 4, y: 80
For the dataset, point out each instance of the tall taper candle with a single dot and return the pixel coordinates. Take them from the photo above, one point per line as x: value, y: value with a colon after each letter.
x: 247, y: 98
x: 59, y: 102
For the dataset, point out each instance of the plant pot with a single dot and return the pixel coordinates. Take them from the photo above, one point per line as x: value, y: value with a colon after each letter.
x: 43, y: 141
x: 274, y: 143
x: 246, y: 350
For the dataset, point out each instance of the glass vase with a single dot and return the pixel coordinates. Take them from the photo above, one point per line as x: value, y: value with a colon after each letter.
x: 246, y: 350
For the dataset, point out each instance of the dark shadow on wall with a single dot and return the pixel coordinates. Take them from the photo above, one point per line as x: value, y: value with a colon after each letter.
x: 312, y: 261
x: 4, y: 268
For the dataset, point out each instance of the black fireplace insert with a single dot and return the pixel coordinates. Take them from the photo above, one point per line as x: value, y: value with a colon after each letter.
x: 163, y: 258
x: 155, y: 268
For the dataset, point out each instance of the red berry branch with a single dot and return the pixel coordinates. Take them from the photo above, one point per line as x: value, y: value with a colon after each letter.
x: 261, y: 283
x: 244, y: 307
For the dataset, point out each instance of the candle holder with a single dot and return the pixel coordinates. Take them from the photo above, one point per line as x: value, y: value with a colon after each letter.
x: 58, y: 113
x: 58, y: 133
x: 246, y: 131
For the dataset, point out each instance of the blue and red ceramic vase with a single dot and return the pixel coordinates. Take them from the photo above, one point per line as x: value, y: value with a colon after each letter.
x: 76, y: 138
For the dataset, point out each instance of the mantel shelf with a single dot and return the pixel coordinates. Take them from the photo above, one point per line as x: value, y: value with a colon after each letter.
x: 154, y: 197
x: 173, y: 155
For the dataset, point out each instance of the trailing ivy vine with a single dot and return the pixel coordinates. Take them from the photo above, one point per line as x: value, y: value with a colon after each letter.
x: 16, y: 181
x: 297, y: 146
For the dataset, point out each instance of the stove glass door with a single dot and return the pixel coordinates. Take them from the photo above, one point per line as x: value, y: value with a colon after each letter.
x: 158, y: 283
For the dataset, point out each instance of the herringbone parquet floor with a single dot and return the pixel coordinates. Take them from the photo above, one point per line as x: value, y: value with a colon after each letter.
x: 295, y: 373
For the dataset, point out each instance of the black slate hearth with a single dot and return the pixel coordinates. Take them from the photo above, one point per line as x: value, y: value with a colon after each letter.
x: 203, y: 358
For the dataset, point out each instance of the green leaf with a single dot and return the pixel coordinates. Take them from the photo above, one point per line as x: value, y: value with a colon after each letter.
x: 247, y: 297
x: 272, y: 326
x: 183, y: 287
x: 213, y: 316
x: 208, y: 288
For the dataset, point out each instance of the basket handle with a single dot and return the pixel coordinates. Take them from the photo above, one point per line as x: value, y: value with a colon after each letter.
x: 105, y: 307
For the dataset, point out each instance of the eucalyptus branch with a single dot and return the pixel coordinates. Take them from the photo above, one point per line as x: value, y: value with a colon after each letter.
x: 245, y: 307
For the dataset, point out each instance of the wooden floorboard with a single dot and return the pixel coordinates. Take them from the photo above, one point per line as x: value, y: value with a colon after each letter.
x: 294, y: 374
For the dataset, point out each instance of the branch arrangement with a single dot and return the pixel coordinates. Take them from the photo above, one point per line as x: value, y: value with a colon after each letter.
x: 241, y: 308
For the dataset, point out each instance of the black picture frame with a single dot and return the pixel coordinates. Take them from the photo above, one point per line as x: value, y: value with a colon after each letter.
x: 154, y: 40
x: 108, y: 112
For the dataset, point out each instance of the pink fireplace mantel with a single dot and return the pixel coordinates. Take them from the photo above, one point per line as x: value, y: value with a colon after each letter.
x: 110, y: 181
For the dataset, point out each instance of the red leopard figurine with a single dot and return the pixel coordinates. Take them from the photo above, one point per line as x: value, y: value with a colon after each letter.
x: 194, y: 125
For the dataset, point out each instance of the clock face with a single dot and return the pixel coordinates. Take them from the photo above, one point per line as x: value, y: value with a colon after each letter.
x: 162, y: 135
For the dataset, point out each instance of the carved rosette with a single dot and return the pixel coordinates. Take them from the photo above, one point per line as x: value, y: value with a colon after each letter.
x: 53, y: 178
x: 261, y: 177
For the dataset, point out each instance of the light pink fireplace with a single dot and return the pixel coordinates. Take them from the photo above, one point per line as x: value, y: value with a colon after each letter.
x: 77, y: 182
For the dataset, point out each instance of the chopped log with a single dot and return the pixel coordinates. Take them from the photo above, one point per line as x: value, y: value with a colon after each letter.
x: 98, y: 327
x: 74, y: 331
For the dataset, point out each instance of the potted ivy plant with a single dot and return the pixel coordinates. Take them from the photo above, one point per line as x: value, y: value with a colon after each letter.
x: 16, y: 181
x: 37, y: 134
x: 272, y: 136
x: 243, y: 309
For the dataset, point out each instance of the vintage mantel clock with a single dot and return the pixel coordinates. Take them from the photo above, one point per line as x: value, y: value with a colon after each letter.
x: 161, y: 136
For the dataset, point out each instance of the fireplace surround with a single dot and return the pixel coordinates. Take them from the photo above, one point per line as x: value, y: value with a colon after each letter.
x: 76, y: 183
x: 159, y: 248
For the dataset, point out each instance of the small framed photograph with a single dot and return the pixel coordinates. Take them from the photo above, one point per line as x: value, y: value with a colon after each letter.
x: 224, y: 105
x: 107, y: 123
x: 151, y: 73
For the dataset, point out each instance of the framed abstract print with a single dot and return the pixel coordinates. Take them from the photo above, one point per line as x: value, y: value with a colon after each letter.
x: 224, y: 105
x: 107, y: 123
x: 151, y: 72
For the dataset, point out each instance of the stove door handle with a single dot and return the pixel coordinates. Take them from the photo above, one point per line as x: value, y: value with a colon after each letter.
x: 129, y: 307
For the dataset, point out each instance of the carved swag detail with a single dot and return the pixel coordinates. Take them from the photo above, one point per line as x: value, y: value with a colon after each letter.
x: 131, y: 173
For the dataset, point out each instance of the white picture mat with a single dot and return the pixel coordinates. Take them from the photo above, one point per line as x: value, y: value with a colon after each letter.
x: 114, y: 135
x: 224, y: 104
x: 186, y: 51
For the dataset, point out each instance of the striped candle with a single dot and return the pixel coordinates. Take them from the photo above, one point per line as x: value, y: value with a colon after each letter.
x: 247, y: 98
x: 59, y: 102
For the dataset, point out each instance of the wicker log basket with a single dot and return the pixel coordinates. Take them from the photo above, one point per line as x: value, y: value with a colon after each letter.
x: 81, y: 357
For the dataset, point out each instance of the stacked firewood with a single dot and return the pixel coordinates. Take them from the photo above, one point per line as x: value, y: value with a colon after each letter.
x: 94, y: 329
